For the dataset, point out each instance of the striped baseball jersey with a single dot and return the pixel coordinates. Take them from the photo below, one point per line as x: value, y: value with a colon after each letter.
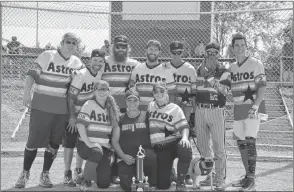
x: 52, y: 74
x: 185, y: 81
x: 82, y: 87
x: 206, y: 93
x: 118, y: 76
x: 245, y: 81
x: 145, y: 77
x: 97, y: 123
x: 165, y: 123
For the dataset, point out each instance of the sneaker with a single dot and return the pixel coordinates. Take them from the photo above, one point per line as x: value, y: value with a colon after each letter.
x: 86, y: 185
x: 240, y: 182
x: 115, y: 180
x: 68, y: 181
x: 188, y: 180
x: 207, y: 180
x: 249, y: 185
x: 23, y: 179
x: 45, y: 180
x: 78, y: 175
x: 180, y: 187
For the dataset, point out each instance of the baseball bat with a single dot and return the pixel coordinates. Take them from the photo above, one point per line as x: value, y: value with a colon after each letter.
x: 19, y: 123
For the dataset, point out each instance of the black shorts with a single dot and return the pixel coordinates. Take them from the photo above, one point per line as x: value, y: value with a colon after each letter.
x: 44, y: 128
x: 70, y: 139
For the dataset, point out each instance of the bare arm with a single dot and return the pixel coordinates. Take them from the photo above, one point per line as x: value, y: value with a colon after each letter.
x: 115, y: 142
x: 27, y: 90
x: 260, y: 95
x: 83, y: 134
x: 71, y: 106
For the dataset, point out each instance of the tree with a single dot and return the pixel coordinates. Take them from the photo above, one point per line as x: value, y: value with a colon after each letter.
x: 253, y: 24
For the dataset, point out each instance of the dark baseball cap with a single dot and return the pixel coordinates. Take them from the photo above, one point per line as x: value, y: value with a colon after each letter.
x: 153, y: 42
x: 97, y: 53
x: 121, y: 39
x: 175, y: 45
x: 160, y: 84
x: 212, y: 45
x: 132, y: 94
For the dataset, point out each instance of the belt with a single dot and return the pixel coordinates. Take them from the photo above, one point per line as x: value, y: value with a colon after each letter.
x: 208, y: 105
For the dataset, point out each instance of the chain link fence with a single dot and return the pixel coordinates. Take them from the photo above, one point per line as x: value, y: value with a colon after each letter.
x: 40, y: 26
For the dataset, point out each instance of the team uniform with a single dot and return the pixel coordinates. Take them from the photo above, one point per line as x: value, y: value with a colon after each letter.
x: 118, y: 76
x: 81, y: 90
x: 133, y: 133
x: 245, y: 81
x: 185, y: 85
x: 209, y: 120
x: 98, y: 129
x: 166, y: 124
x: 145, y: 77
x: 49, y: 112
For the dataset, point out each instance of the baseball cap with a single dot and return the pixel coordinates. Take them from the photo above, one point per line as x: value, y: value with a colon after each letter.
x: 153, y: 42
x: 212, y: 45
x: 132, y: 93
x: 159, y: 84
x: 176, y: 45
x: 97, y: 53
x: 70, y: 36
x: 121, y: 39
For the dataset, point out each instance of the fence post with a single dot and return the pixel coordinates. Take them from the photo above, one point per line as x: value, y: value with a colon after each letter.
x: 281, y: 71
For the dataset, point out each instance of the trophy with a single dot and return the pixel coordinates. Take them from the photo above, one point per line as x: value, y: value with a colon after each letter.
x: 138, y: 181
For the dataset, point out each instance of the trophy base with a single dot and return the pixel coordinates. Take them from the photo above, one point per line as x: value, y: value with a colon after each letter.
x: 140, y: 187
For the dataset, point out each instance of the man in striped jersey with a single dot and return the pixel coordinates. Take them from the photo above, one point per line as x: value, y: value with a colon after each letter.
x: 94, y: 123
x: 169, y: 135
x: 81, y: 90
x: 185, y: 80
x: 145, y: 75
x: 248, y: 86
x: 118, y: 69
x: 209, y: 112
x: 117, y: 72
x: 49, y: 111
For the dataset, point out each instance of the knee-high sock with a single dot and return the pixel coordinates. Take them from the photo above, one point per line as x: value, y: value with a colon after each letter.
x: 242, y: 145
x: 29, y: 157
x: 252, y: 154
x: 49, y: 156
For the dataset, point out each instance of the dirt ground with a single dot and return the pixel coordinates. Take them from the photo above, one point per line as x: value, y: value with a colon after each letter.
x: 271, y: 176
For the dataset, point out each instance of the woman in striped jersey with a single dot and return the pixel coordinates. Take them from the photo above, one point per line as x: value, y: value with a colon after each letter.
x: 95, y: 122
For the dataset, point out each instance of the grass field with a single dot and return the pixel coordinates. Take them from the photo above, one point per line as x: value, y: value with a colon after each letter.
x: 271, y: 176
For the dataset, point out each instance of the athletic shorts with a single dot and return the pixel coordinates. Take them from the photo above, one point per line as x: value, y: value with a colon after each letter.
x: 45, y: 127
x: 245, y: 128
x: 70, y: 139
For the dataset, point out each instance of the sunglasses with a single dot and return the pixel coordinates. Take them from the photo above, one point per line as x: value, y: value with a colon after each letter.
x: 212, y: 53
x: 121, y: 47
x: 176, y: 52
x: 102, y: 90
x: 71, y: 42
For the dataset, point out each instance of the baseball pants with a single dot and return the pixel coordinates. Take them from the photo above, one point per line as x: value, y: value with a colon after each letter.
x: 127, y: 172
x: 209, y: 124
x: 99, y: 161
x: 165, y: 158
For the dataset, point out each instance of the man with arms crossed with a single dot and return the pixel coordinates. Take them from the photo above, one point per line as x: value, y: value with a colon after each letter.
x: 49, y: 110
x: 248, y: 85
x: 81, y: 90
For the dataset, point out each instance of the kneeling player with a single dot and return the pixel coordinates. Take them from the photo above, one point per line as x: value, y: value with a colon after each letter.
x: 169, y: 135
x: 94, y: 123
x: 80, y: 91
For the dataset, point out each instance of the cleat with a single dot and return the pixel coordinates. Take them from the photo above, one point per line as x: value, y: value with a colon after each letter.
x: 45, y: 180
x: 68, y: 181
x: 22, y: 180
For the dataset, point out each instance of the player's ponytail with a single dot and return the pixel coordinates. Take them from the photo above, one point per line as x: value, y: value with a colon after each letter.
x: 112, y: 110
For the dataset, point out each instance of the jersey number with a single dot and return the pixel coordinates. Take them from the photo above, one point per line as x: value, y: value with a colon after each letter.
x: 213, y: 97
